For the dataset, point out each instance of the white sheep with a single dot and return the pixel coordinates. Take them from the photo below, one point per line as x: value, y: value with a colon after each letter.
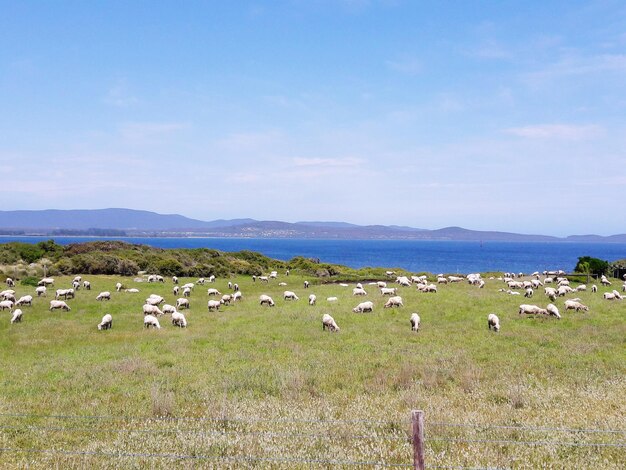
x: 532, y: 310
x: 41, y: 290
x: 76, y: 285
x: 388, y: 291
x: 329, y: 322
x: 59, y: 304
x: 394, y: 302
x: 381, y: 284
x: 415, y: 322
x: 182, y: 303
x: 266, y: 300
x: 151, y: 321
x: 87, y: 285
x: 175, y: 290
x: 282, y: 284
x: 358, y: 291
x: 154, y: 299
x: 46, y: 281
x: 288, y: 295
x: 132, y: 290
x: 427, y: 288
x: 106, y: 295
x: 605, y: 296
x: 151, y: 310
x: 604, y: 281
x: 312, y: 299
x: 581, y: 288
x: 575, y: 305
x: 226, y: 299
x: 106, y: 323
x: 178, y: 319
x: 237, y: 296
x: 189, y: 285
x: 263, y: 279
x: 306, y: 284
x: 174, y: 280
x: 6, y: 305
x: 8, y: 295
x: 213, y: 291
x: 10, y: 282
x: 213, y: 305
x: 64, y: 293
x: 359, y: 285
x: 186, y: 292
x: 25, y: 300
x: 455, y: 279
x: 167, y: 308
x: 493, y: 322
x: 594, y: 288
x: 200, y: 281
x: 17, y: 316
x: 528, y: 293
x: 442, y: 280
x: 331, y: 299
x: 118, y: 286
x: 364, y: 307
x: 211, y: 278
x: 553, y: 311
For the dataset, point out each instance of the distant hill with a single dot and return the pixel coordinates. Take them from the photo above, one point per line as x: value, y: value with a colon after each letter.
x: 145, y: 223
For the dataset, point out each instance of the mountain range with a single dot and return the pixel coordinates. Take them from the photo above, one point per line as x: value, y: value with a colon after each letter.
x: 130, y: 222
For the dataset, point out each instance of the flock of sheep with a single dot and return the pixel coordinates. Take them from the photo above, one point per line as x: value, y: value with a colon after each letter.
x: 155, y: 306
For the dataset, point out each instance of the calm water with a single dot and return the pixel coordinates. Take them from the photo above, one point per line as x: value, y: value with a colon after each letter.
x: 415, y: 256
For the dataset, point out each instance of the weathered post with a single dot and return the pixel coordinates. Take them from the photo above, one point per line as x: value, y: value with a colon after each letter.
x: 417, y: 425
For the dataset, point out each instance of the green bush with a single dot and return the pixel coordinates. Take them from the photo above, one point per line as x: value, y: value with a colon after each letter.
x: 29, y: 281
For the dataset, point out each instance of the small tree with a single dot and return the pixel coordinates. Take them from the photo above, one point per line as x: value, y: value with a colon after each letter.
x: 588, y: 265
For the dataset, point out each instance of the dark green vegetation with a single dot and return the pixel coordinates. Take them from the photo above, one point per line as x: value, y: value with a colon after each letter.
x: 589, y: 265
x: 248, y: 364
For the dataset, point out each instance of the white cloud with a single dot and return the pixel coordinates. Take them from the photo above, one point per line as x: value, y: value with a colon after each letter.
x: 557, y: 131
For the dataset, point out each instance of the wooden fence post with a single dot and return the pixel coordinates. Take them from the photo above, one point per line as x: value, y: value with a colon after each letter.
x: 417, y: 425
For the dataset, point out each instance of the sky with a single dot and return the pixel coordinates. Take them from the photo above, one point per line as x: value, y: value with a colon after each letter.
x: 507, y: 115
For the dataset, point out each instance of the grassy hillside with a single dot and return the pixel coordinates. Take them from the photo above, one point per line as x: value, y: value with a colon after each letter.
x: 268, y: 383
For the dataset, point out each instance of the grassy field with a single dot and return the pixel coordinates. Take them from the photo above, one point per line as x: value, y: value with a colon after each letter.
x: 252, y: 386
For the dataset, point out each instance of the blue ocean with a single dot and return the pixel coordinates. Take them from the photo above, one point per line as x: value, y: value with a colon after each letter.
x: 412, y: 255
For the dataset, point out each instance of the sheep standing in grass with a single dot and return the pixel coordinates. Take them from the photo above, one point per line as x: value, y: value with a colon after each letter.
x: 329, y: 322
x: 186, y: 292
x: 415, y: 322
x: 553, y: 311
x: 25, y: 300
x: 175, y: 290
x: 394, y: 302
x: 312, y: 299
x: 167, y: 308
x: 151, y: 321
x: 59, y: 304
x: 575, y: 305
x: 388, y: 291
x: 214, y: 305
x: 41, y: 290
x: 528, y: 293
x: 118, y: 286
x: 17, y: 316
x: 532, y: 310
x: 6, y: 305
x: 288, y: 295
x: 106, y: 323
x: 226, y: 299
x: 87, y: 285
x: 106, y: 295
x: 266, y: 300
x: 132, y: 291
x: 493, y: 322
x: 306, y: 284
x: 178, y: 319
x: 213, y: 291
x: 364, y: 307
x: 358, y: 291
x: 182, y: 303
x: 237, y: 296
x: 151, y: 310
x: 10, y: 282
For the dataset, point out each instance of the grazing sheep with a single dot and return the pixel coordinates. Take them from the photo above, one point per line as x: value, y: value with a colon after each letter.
x: 175, y: 290
x: 151, y: 310
x: 266, y: 300
x: 189, y: 285
x: 151, y: 321
x: 182, y: 303
x: 617, y: 295
x: 427, y: 288
x: 532, y: 310
x: 41, y: 290
x: 179, y: 320
x: 605, y: 296
x: 167, y: 308
x: 46, y: 281
x: 581, y: 288
x: 331, y: 299
x: 358, y: 291
x: 273, y: 275
x: 624, y: 287
x: 132, y: 291
x: 118, y: 286
x: 312, y: 299
x: 455, y: 279
x: 553, y: 311
x: 493, y: 322
x: 282, y: 284
x: 381, y: 284
x: 329, y: 322
x: 605, y: 281
x: 87, y: 285
x: 6, y: 305
x: 200, y: 281
x: 442, y: 280
x: 213, y: 291
x: 236, y: 287
x: 575, y: 305
x: 535, y: 283
x: 106, y: 323
x: 388, y: 291
x: 226, y: 299
x: 64, y: 293
x: 306, y: 284
x: 10, y: 282
x: 237, y: 296
x: 8, y: 295
x: 17, y: 316
x: 213, y: 305
x: 230, y: 285
x: 263, y: 279
x: 364, y: 307
x: 186, y: 292
x: 174, y: 280
x: 58, y: 304
x: 25, y: 300
x: 76, y: 285
x: 104, y: 296
x: 211, y: 278
x: 594, y: 288
x: 415, y: 322
x: 528, y: 293
x: 154, y: 299
x: 288, y: 295
x: 403, y: 281
x: 562, y: 291
x: 394, y: 302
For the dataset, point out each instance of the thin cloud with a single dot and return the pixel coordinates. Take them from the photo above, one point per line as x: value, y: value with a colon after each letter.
x: 557, y: 131
x: 327, y: 162
x: 250, y: 141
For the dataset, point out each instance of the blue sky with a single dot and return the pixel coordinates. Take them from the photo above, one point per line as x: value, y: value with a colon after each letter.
x: 506, y: 115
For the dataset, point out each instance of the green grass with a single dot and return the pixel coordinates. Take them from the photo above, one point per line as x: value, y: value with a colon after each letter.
x: 251, y: 363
